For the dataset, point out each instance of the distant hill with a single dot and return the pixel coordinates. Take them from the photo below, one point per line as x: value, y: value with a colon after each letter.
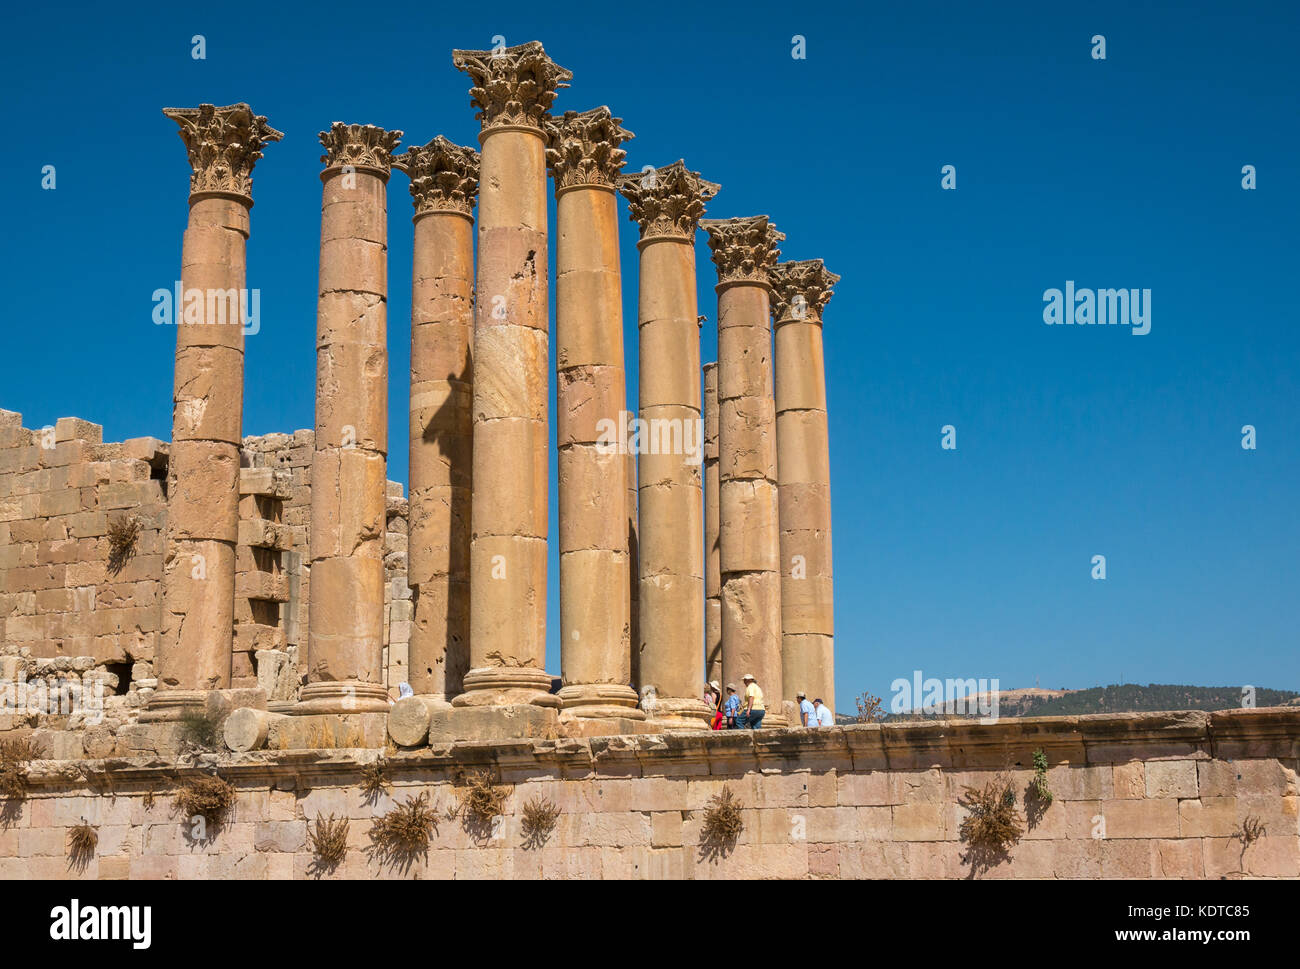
x: 1134, y: 698
x: 1123, y: 698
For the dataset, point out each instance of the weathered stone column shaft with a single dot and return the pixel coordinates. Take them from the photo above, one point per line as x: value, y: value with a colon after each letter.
x: 444, y: 185
x: 198, y: 587
x: 744, y: 250
x: 667, y: 203
x: 712, y: 550
x: 349, y: 466
x: 801, y: 291
x: 586, y: 160
x: 513, y: 88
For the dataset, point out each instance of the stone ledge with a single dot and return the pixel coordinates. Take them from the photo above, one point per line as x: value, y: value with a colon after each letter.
x: 956, y: 744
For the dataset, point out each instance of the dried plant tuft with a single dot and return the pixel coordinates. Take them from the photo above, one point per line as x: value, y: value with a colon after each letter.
x: 540, y: 817
x: 14, y: 758
x: 723, y: 824
x: 82, y: 841
x: 374, y: 782
x: 123, y: 532
x: 402, y: 835
x: 481, y: 803
x: 993, y: 824
x: 329, y: 843
x: 207, y: 797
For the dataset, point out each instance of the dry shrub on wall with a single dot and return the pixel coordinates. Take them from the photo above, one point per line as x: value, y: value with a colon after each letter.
x: 723, y: 824
x: 993, y: 825
x: 481, y: 803
x: 123, y: 532
x: 209, y: 798
x: 14, y: 757
x: 540, y: 816
x: 374, y: 782
x: 82, y: 841
x: 402, y: 835
x: 329, y: 843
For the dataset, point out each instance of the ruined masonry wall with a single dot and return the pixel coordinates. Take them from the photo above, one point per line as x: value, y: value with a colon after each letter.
x: 64, y: 611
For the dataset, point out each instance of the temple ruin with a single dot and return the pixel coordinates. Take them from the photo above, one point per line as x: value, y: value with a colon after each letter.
x: 283, y: 588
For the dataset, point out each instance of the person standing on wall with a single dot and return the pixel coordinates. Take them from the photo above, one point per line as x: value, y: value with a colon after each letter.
x: 751, y: 716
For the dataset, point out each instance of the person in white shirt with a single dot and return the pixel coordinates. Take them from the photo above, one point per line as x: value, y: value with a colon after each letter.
x: 824, y: 716
x: 807, y: 715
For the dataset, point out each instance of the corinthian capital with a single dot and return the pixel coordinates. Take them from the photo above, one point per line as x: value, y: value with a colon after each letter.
x: 443, y: 174
x: 801, y: 289
x: 223, y: 145
x: 583, y: 148
x: 744, y: 250
x: 359, y: 146
x: 512, y: 85
x: 667, y: 201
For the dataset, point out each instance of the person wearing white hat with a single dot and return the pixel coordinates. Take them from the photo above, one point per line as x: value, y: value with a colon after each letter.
x: 751, y: 717
x: 807, y: 715
x: 731, y: 708
x: 713, y: 697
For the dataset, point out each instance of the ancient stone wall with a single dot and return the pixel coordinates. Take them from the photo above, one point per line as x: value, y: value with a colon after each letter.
x: 66, y: 607
x: 1134, y: 796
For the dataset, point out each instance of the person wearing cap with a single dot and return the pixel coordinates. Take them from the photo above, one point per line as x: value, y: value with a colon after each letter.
x: 824, y: 716
x: 731, y: 708
x: 751, y: 716
x: 807, y: 714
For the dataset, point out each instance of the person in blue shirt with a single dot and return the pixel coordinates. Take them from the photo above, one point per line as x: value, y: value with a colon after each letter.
x: 807, y: 712
x: 732, y: 706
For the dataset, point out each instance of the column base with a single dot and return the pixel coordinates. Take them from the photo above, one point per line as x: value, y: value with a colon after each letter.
x: 169, y: 706
x: 679, y: 713
x: 495, y: 686
x: 341, y: 696
x: 600, y: 700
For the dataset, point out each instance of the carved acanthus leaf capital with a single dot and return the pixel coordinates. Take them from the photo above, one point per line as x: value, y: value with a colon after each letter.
x: 223, y: 145
x: 583, y: 148
x: 744, y: 249
x: 801, y: 289
x: 359, y: 146
x: 443, y: 174
x: 512, y: 85
x: 667, y: 201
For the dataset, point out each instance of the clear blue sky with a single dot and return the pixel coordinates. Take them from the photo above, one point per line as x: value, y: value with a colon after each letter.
x: 1072, y: 441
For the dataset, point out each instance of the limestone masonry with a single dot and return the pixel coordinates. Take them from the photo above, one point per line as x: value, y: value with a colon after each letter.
x: 280, y: 589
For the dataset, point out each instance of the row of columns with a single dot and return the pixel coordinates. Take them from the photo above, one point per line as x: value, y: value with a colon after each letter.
x: 660, y: 585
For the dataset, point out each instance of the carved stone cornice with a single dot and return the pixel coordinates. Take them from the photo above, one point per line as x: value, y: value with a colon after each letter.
x: 359, y: 146
x: 801, y: 289
x: 744, y: 249
x: 444, y: 176
x: 583, y: 149
x: 513, y: 86
x: 223, y: 145
x: 667, y: 201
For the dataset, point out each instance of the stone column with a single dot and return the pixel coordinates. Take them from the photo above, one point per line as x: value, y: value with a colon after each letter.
x: 198, y: 587
x: 801, y: 291
x: 667, y: 204
x: 345, y: 624
x: 633, y: 557
x: 513, y: 88
x: 744, y: 251
x: 444, y: 186
x: 712, y: 556
x: 585, y: 161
